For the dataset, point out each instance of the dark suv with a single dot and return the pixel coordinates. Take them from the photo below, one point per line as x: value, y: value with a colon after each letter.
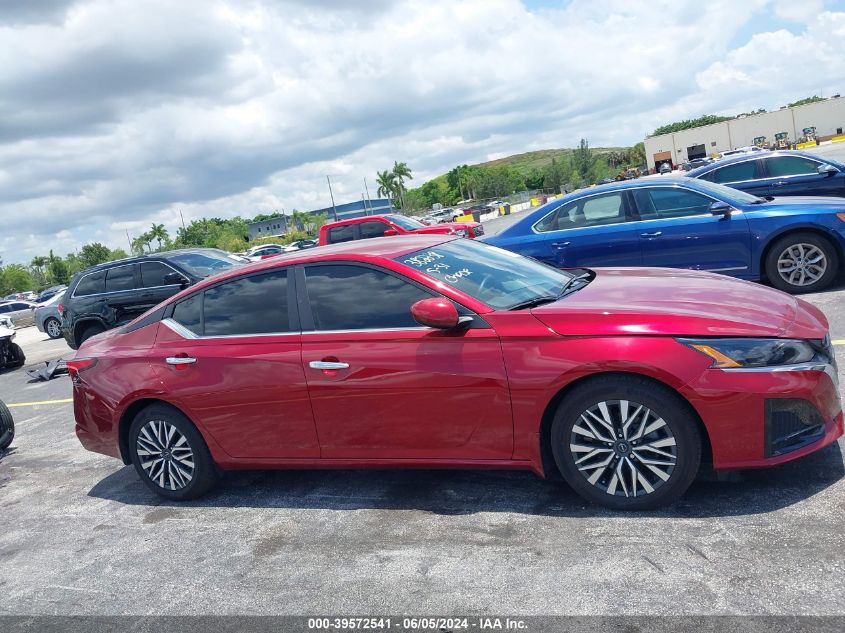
x: 111, y: 294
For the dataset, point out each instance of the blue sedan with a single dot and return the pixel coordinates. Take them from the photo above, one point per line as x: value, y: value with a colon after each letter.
x: 777, y: 174
x: 794, y: 243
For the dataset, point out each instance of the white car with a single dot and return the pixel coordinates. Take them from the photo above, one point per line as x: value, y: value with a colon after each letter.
x: 21, y: 313
x: 256, y: 253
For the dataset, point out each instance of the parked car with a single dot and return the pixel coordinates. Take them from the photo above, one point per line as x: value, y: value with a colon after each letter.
x: 748, y: 149
x: 47, y: 317
x: 20, y: 312
x: 11, y: 354
x: 111, y: 294
x: 49, y: 293
x: 391, y: 224
x: 433, y: 351
x: 257, y: 253
x: 795, y: 244
x: 299, y: 245
x: 783, y: 173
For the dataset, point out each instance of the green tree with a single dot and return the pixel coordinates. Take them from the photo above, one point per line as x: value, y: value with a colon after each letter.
x: 687, y: 124
x: 805, y: 101
x: 57, y: 270
x: 386, y: 181
x: 15, y: 278
x: 583, y: 162
x: 159, y: 233
x: 93, y: 254
x: 400, y: 172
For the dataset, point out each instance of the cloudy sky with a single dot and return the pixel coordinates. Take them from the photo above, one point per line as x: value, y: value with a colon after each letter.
x: 118, y: 113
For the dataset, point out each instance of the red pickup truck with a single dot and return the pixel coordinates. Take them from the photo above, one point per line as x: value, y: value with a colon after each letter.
x: 391, y: 224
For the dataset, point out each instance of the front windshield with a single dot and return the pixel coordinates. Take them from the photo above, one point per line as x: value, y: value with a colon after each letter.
x: 409, y: 224
x: 733, y: 196
x: 204, y: 263
x: 492, y: 275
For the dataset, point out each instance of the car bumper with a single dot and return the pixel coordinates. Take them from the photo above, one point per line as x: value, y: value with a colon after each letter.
x: 761, y: 418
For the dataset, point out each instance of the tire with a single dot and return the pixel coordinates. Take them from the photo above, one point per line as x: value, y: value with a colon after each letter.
x: 7, y: 427
x: 800, y: 256
x: 177, y: 480
x: 90, y: 331
x: 52, y: 328
x: 604, y: 472
x: 17, y: 354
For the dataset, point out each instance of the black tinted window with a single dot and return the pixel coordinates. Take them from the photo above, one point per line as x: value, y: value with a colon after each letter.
x: 737, y: 172
x: 153, y: 274
x: 91, y: 283
x: 791, y: 166
x: 670, y: 203
x: 257, y: 304
x: 373, y: 229
x: 337, y: 293
x: 187, y: 313
x: 120, y: 278
x: 341, y: 234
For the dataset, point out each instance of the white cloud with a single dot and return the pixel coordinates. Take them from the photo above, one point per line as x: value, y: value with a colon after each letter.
x: 117, y: 113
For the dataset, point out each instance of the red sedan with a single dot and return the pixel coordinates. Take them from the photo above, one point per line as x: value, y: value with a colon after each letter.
x: 433, y: 351
x: 370, y: 226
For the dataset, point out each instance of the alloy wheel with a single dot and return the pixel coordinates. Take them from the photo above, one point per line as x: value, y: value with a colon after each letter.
x: 165, y: 455
x: 54, y: 330
x: 623, y: 448
x: 802, y: 264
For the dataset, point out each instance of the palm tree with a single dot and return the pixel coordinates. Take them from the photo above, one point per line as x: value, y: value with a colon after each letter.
x: 157, y: 232
x: 400, y: 172
x: 386, y: 181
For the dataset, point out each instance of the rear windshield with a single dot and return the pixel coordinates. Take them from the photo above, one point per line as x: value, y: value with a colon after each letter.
x: 409, y: 224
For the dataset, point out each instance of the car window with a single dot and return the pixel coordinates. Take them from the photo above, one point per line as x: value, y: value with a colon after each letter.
x: 205, y: 263
x: 188, y: 313
x: 591, y: 211
x: 18, y: 306
x: 373, y: 229
x: 335, y: 293
x: 736, y: 172
x: 790, y: 166
x: 120, y: 278
x: 670, y: 203
x: 257, y: 304
x: 5, y: 308
x: 90, y: 284
x: 153, y: 274
x: 344, y: 233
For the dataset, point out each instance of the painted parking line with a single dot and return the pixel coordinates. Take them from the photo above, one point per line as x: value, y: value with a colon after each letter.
x: 838, y: 341
x: 32, y: 404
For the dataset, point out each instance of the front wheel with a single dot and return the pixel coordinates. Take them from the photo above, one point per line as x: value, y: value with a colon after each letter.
x: 801, y: 262
x: 626, y: 443
x: 170, y: 455
x: 19, y: 358
x: 7, y: 427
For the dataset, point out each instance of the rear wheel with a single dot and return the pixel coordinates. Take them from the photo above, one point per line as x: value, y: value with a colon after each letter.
x: 801, y: 262
x: 626, y: 443
x: 90, y: 331
x: 53, y: 328
x: 17, y: 354
x: 7, y: 427
x: 170, y: 455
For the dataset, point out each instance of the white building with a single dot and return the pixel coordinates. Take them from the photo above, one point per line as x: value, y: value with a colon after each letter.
x: 828, y: 117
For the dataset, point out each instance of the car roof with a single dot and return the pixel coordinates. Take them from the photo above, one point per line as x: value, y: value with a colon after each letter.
x: 747, y: 156
x: 146, y: 258
x: 360, y: 218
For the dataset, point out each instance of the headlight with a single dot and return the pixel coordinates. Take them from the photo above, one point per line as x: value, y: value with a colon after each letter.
x: 462, y: 232
x: 754, y: 352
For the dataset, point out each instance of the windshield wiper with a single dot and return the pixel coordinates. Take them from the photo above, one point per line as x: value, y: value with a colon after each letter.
x: 538, y: 301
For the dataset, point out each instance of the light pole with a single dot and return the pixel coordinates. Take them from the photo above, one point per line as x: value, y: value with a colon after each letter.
x: 334, y: 208
x: 369, y: 202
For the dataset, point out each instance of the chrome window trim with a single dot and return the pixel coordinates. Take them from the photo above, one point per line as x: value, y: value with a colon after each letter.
x: 723, y: 270
x: 184, y: 332
x: 372, y: 329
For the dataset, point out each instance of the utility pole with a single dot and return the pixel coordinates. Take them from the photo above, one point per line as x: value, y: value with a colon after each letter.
x: 183, y: 219
x: 334, y: 208
x: 369, y: 202
x: 129, y: 240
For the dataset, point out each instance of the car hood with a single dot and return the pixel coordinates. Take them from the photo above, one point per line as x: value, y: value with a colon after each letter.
x: 670, y: 302
x: 446, y: 228
x: 792, y: 202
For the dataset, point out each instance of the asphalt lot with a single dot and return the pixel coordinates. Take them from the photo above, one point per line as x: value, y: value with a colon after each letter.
x: 81, y: 535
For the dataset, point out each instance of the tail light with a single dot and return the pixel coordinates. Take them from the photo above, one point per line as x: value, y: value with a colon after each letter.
x: 76, y: 365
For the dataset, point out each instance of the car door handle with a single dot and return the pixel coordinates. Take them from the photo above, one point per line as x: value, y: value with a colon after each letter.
x: 780, y: 183
x: 322, y: 364
x: 560, y: 244
x: 180, y: 360
x: 652, y: 234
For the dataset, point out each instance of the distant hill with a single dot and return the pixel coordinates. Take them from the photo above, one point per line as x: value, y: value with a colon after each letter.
x: 539, y: 159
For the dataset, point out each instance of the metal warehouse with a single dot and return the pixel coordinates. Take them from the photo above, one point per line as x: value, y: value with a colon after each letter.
x: 827, y: 117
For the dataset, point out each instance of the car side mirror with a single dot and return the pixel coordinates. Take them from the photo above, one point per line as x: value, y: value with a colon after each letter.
x: 390, y: 232
x: 827, y: 170
x: 721, y: 208
x: 436, y: 312
x: 172, y: 279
